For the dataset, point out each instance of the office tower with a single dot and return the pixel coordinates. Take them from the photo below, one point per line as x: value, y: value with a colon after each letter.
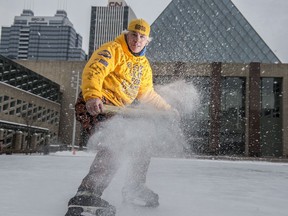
x: 108, y: 22
x: 41, y: 38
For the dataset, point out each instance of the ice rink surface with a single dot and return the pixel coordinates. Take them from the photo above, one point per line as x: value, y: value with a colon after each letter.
x: 37, y: 185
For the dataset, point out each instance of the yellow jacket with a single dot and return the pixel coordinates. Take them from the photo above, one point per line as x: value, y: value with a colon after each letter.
x: 115, y: 73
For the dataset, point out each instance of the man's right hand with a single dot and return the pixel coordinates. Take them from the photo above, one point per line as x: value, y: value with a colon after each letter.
x: 94, y: 106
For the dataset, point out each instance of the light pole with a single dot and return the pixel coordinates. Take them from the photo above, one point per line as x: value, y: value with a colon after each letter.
x: 75, y: 85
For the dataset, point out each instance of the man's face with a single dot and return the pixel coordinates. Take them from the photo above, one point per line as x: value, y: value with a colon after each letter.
x: 136, y: 41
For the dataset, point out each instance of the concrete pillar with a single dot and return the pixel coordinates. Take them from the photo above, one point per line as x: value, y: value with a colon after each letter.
x: 254, y: 149
x: 18, y: 140
x: 285, y: 114
x: 215, y: 108
x: 34, y: 142
x: 1, y: 138
x: 24, y: 143
x: 46, y: 145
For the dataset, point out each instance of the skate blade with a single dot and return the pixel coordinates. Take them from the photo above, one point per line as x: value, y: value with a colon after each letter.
x: 74, y: 211
x: 141, y: 203
x: 96, y: 211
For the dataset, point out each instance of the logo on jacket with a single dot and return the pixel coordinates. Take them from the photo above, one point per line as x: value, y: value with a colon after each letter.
x: 103, y: 62
x: 105, y: 53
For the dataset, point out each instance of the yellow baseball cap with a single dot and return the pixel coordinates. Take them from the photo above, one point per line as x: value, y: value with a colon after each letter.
x: 140, y: 26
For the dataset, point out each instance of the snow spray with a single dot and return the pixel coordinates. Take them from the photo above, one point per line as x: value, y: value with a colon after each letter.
x: 154, y: 135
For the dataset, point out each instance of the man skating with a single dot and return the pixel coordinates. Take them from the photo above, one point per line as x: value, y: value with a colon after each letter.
x: 117, y: 74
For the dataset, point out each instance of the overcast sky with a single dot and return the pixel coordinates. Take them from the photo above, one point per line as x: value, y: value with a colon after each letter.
x: 268, y: 17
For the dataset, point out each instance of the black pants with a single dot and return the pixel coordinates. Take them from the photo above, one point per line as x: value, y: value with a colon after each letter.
x: 104, y: 167
x: 106, y: 162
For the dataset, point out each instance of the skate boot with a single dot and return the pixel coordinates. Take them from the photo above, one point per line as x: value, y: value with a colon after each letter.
x: 140, y: 196
x: 89, y: 204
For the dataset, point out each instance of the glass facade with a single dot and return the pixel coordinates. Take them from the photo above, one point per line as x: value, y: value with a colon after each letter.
x: 271, y: 117
x: 196, y: 126
x: 232, y: 118
x: 20, y: 77
x: 205, y: 31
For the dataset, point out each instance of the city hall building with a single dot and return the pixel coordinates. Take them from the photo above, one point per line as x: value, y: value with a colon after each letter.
x: 30, y: 106
x: 237, y: 96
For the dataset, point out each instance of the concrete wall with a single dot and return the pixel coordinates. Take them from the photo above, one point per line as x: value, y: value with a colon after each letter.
x: 61, y: 72
x: 18, y: 94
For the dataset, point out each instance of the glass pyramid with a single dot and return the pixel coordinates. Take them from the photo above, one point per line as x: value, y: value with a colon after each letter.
x: 204, y: 31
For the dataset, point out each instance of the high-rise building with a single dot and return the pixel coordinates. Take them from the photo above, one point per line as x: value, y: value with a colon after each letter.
x: 108, y: 22
x: 206, y: 31
x: 41, y: 38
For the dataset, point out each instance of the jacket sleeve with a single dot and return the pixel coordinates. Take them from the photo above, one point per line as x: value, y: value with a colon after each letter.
x: 101, y: 63
x: 147, y: 93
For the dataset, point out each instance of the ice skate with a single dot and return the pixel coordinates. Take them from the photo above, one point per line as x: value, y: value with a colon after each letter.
x: 140, y: 196
x: 89, y: 204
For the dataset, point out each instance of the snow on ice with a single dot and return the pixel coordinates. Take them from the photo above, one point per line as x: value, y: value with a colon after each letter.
x: 33, y: 185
